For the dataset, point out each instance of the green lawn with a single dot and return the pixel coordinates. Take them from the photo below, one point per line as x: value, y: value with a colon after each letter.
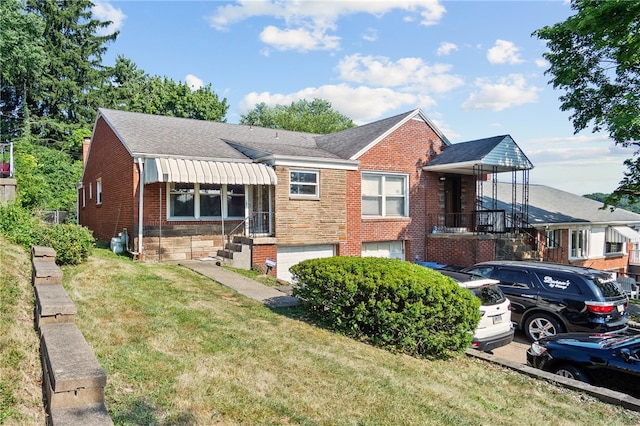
x: 179, y: 349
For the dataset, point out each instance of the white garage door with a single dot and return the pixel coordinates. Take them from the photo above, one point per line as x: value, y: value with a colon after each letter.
x: 388, y: 249
x: 289, y: 256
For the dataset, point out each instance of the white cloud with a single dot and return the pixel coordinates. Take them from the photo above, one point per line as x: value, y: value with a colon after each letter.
x: 504, y: 52
x: 507, y: 92
x: 410, y: 73
x: 104, y: 11
x: 542, y: 63
x: 446, y: 48
x: 298, y: 39
x: 193, y: 82
x: 370, y: 35
x: 361, y: 104
x: 313, y: 19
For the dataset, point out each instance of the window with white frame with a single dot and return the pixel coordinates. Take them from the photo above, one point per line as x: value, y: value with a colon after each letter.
x: 99, y: 191
x: 384, y: 195
x: 84, y: 196
x: 304, y: 183
x: 90, y: 190
x: 613, y: 248
x: 552, y: 237
x: 578, y: 239
x: 200, y: 201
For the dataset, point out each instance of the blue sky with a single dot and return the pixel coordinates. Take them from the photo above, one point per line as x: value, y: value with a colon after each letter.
x: 471, y: 66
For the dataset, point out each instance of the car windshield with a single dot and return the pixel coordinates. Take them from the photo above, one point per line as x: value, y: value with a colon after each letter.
x: 489, y: 294
x: 607, y: 285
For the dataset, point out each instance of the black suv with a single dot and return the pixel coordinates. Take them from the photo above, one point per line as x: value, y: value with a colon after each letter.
x: 549, y: 298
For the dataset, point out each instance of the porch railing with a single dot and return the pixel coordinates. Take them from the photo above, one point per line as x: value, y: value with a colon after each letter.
x: 256, y: 224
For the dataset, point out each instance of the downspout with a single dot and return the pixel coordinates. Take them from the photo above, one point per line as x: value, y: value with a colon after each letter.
x: 140, y: 206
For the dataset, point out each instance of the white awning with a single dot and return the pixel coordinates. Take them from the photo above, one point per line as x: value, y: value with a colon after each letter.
x: 622, y: 234
x: 197, y: 171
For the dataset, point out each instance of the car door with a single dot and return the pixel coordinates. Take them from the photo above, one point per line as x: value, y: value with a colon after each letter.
x: 519, y: 286
x: 622, y: 375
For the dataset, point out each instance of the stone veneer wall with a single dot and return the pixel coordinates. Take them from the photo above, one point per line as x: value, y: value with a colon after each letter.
x: 302, y: 221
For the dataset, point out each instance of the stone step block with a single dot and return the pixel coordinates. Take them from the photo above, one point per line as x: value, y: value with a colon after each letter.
x: 43, y: 253
x: 45, y: 272
x: 88, y: 415
x: 72, y: 375
x: 53, y: 305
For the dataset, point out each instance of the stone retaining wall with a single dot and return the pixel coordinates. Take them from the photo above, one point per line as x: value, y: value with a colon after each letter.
x: 73, y: 381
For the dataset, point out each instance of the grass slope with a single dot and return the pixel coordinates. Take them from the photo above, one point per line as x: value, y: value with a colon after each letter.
x: 180, y: 349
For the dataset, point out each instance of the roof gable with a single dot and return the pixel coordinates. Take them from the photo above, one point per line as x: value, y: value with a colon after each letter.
x: 499, y: 152
x: 353, y: 143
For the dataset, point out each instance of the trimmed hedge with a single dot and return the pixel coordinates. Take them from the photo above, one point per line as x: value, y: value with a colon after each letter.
x: 389, y: 303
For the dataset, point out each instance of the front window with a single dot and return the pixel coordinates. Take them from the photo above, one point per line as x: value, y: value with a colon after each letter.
x: 182, y: 200
x: 578, y: 243
x: 384, y: 195
x: 196, y: 201
x: 304, y: 183
x: 613, y: 248
x: 553, y: 238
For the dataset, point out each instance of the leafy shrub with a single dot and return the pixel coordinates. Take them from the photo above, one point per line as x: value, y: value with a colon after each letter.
x: 389, y: 303
x: 73, y: 244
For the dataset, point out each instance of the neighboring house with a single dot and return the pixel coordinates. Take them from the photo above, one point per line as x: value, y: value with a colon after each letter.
x: 576, y: 230
x: 183, y: 189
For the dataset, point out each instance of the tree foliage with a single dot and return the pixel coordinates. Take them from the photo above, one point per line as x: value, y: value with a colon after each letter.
x: 316, y: 116
x: 52, y: 82
x: 132, y: 89
x: 594, y: 57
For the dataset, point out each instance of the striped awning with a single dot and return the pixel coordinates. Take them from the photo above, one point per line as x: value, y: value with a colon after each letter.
x: 198, y: 171
x: 622, y: 234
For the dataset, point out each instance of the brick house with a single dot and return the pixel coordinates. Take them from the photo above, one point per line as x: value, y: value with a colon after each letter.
x: 172, y: 189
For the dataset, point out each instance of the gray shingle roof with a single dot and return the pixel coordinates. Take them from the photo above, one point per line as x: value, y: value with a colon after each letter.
x: 156, y: 135
x: 551, y: 206
x: 497, y: 151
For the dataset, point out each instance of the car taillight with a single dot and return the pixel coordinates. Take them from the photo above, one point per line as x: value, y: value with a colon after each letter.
x: 600, y: 307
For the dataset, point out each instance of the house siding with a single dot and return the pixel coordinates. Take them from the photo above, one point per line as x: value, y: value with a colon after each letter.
x: 406, y: 150
x: 305, y: 221
x: 111, y: 162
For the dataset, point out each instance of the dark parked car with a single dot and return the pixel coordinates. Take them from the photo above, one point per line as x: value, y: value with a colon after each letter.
x: 549, y: 298
x: 609, y: 360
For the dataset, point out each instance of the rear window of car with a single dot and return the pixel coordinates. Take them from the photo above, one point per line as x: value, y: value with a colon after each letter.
x: 489, y: 294
x: 559, y: 283
x: 607, y: 285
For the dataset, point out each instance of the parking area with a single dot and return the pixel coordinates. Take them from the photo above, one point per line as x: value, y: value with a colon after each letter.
x: 515, y: 351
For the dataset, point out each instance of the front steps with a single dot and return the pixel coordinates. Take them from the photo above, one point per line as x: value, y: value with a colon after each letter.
x: 515, y: 248
x: 237, y: 253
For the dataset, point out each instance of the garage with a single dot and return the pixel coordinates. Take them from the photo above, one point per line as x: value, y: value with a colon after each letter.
x: 289, y: 256
x: 387, y: 249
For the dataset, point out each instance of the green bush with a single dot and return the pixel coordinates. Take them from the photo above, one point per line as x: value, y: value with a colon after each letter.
x: 73, y: 243
x: 389, y: 303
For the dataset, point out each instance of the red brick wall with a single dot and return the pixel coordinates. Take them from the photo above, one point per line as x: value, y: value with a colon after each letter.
x: 260, y: 254
x: 461, y: 250
x: 109, y: 160
x: 406, y: 150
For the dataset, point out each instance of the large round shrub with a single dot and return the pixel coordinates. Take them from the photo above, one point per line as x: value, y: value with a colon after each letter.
x: 389, y: 303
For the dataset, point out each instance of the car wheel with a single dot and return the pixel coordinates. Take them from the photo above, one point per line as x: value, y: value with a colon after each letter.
x: 571, y: 372
x: 541, y: 325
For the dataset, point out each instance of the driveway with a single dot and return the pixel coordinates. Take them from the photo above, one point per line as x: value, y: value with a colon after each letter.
x: 515, y: 351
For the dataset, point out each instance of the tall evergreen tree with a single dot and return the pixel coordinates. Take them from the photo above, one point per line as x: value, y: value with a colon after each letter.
x: 60, y: 99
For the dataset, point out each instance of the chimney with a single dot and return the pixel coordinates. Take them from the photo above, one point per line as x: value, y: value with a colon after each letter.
x: 85, y: 150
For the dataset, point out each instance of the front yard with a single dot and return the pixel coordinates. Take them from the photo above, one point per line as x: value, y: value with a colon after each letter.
x: 180, y: 349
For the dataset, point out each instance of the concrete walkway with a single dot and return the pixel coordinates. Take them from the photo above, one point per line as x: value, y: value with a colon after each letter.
x: 270, y: 296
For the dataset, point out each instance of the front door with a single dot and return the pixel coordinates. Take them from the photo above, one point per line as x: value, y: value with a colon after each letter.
x: 261, y: 212
x: 452, y: 201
